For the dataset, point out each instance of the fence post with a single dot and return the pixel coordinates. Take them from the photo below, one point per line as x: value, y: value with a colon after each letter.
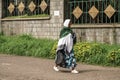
x: 0, y: 15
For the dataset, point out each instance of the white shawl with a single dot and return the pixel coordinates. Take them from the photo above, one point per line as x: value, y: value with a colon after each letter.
x: 67, y: 41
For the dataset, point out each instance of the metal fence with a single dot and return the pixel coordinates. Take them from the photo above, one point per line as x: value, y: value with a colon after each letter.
x: 25, y: 7
x: 92, y: 11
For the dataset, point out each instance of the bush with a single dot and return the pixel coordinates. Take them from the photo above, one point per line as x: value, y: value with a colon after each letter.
x: 2, y: 40
x: 1, y: 33
x: 89, y: 53
x: 113, y: 57
x: 26, y: 45
x: 53, y: 51
x: 94, y: 53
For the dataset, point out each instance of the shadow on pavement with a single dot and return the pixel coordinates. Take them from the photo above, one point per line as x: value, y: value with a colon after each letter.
x: 83, y: 71
x: 80, y: 71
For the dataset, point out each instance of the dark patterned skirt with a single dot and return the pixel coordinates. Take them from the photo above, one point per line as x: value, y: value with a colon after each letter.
x: 70, y: 60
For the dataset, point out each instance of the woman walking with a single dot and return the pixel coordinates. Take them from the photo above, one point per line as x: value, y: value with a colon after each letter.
x: 65, y: 54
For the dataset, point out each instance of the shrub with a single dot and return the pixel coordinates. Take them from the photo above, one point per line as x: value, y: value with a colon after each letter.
x: 82, y: 51
x: 89, y: 53
x: 26, y: 45
x: 94, y: 53
x: 1, y: 33
x: 2, y: 40
x: 53, y: 50
x: 113, y: 57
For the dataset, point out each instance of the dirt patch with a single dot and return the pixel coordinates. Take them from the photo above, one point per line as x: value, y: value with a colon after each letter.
x: 29, y: 68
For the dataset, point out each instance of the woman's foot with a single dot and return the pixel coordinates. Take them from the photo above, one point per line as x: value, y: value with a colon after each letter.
x: 55, y: 68
x: 74, y: 71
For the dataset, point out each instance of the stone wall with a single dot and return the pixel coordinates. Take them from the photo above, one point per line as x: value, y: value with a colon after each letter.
x: 50, y: 28
x: 103, y: 33
x: 40, y: 28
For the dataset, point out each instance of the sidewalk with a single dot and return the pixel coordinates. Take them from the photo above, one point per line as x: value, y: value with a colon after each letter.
x: 29, y: 68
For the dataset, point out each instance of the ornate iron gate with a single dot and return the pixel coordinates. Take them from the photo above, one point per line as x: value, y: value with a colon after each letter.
x: 25, y: 7
x: 92, y: 11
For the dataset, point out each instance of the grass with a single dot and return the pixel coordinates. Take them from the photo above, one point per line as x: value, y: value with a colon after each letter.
x: 25, y: 45
x: 85, y: 52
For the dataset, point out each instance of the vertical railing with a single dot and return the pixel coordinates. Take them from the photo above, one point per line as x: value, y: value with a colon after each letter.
x: 26, y: 11
x: 103, y: 7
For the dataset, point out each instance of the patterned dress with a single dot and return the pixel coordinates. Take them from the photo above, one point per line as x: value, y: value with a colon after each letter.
x: 70, y: 60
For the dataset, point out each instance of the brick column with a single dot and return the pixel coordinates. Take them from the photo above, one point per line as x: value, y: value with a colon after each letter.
x: 56, y: 6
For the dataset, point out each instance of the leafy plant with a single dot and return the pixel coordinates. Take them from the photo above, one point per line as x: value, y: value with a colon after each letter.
x: 85, y: 52
x: 26, y: 45
x: 94, y: 53
x: 113, y: 57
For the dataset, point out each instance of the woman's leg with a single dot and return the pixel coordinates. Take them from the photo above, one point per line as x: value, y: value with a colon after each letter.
x: 73, y: 63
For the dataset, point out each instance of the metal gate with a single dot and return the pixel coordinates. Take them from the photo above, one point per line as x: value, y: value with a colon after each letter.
x: 25, y: 8
x: 92, y: 11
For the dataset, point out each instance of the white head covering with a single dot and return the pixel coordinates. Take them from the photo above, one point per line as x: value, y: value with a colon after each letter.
x: 66, y: 23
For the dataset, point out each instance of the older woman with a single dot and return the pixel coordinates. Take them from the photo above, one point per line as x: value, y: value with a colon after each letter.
x: 65, y: 55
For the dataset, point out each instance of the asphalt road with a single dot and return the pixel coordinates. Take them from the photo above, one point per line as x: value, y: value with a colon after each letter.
x: 29, y: 68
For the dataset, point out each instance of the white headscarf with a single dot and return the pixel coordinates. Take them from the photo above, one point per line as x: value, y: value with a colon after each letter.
x: 66, y: 23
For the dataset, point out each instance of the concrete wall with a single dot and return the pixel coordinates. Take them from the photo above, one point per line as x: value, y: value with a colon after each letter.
x: 104, y: 33
x: 40, y: 28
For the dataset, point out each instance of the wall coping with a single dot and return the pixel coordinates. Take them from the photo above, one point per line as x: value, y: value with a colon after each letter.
x: 110, y: 25
x: 25, y: 19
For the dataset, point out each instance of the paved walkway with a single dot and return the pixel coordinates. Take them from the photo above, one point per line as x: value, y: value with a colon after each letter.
x: 29, y: 68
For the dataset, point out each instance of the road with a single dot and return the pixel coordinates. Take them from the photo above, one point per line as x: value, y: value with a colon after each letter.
x: 30, y: 68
